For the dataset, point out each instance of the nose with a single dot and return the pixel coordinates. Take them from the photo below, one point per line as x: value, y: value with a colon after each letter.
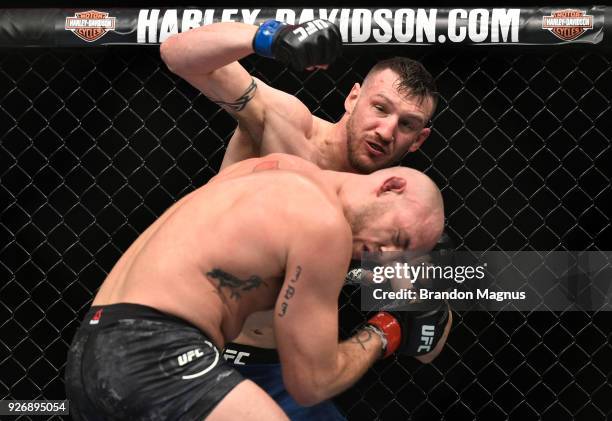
x: 386, y: 129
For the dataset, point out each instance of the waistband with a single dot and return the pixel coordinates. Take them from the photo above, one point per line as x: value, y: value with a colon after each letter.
x: 239, y: 354
x: 109, y: 314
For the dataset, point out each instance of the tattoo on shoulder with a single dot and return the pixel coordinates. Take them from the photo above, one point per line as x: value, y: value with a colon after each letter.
x: 240, y: 102
x: 290, y: 291
x: 235, y: 285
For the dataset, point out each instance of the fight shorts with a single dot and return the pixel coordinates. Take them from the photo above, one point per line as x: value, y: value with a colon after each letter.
x: 262, y: 366
x: 132, y: 362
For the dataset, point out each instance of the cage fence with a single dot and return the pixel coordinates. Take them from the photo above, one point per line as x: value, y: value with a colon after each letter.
x: 96, y: 143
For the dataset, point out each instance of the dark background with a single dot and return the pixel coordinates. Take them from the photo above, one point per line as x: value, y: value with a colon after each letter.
x: 96, y: 143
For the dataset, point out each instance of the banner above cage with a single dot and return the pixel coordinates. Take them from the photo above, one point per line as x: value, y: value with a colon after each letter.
x: 531, y: 26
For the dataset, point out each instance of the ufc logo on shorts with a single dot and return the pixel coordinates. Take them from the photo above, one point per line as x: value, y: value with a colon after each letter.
x: 427, y: 335
x: 310, y: 28
x: 188, y: 356
x: 231, y: 354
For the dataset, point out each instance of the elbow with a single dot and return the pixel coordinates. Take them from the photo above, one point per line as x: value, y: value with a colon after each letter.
x: 167, y: 52
x: 180, y: 59
x: 304, y: 395
x: 304, y: 390
x: 172, y: 52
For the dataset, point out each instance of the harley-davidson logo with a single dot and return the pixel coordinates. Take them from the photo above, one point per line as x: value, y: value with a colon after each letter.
x: 91, y: 25
x: 568, y: 24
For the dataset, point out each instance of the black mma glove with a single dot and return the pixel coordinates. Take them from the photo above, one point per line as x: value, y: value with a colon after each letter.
x: 417, y: 329
x: 311, y: 43
x: 411, y: 333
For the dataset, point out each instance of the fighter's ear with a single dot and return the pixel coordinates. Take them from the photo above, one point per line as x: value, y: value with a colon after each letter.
x: 425, y: 132
x: 393, y: 184
x: 351, y: 99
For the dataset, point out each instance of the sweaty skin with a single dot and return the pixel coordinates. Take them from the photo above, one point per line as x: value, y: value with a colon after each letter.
x: 277, y: 233
x: 379, y: 124
x: 178, y: 267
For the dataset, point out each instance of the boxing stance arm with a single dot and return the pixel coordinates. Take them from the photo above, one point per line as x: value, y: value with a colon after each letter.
x: 206, y: 57
x: 314, y: 365
x: 207, y: 48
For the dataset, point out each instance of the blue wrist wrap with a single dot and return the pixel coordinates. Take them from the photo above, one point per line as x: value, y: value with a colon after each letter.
x: 262, y: 43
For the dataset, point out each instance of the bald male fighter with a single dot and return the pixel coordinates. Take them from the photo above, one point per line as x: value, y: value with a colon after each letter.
x: 385, y: 117
x: 270, y: 233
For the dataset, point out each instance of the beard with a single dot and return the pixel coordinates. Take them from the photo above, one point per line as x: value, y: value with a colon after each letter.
x: 360, y: 163
x: 360, y: 159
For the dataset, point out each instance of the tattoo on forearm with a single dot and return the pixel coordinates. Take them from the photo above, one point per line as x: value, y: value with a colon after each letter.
x: 234, y: 284
x: 242, y: 101
x: 362, y: 337
x: 290, y: 292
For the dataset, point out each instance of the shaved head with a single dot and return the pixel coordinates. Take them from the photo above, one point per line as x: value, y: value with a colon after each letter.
x: 422, y: 198
x: 394, y: 209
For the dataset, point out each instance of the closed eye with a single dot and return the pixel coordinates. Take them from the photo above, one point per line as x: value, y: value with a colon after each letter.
x: 406, y: 243
x: 380, y: 108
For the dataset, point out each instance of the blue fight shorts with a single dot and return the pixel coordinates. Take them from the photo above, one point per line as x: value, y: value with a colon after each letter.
x: 263, y: 367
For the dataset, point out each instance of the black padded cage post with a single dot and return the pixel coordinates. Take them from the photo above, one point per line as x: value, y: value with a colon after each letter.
x: 98, y: 138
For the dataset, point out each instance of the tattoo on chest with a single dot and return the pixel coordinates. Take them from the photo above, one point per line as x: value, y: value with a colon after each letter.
x: 235, y: 285
x: 289, y: 292
x: 240, y: 102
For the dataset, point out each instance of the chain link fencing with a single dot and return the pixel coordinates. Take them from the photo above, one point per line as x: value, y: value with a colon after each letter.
x: 96, y: 143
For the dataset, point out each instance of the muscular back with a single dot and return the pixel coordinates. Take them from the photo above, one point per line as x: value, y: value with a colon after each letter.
x: 219, y: 254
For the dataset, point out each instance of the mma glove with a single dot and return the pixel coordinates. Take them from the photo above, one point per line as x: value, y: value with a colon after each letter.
x: 408, y: 332
x: 311, y: 43
x: 415, y: 332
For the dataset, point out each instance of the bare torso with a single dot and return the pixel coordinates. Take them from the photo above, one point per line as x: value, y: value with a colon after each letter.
x: 290, y: 128
x: 304, y: 140
x: 221, y: 248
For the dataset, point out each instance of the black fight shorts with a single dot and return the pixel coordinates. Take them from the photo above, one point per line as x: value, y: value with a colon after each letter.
x: 132, y: 362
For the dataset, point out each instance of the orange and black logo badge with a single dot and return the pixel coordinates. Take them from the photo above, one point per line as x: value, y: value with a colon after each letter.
x: 568, y: 24
x: 91, y: 25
